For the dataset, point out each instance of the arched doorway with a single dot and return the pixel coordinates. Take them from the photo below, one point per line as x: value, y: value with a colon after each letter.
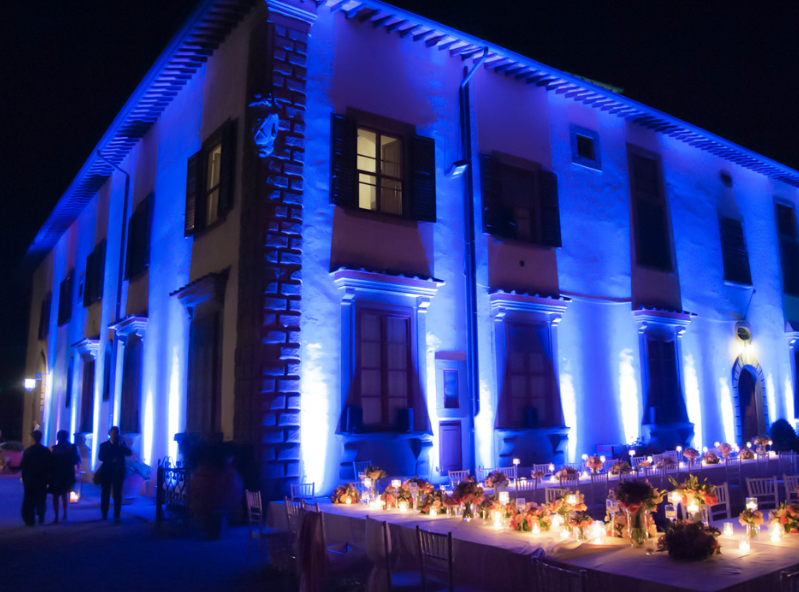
x: 751, y: 406
x: 747, y: 404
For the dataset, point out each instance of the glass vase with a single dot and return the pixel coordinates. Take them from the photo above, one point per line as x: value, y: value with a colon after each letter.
x: 752, y: 532
x: 468, y: 514
x: 637, y: 527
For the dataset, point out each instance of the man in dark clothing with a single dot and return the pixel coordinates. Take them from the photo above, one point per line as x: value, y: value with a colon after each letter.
x: 112, y: 455
x: 36, y: 465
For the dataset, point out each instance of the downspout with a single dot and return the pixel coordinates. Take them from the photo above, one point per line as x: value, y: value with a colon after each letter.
x: 472, y: 365
x: 122, y: 234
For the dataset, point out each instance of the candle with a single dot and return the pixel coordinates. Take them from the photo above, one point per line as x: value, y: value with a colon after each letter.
x: 648, y: 459
x: 348, y: 501
x: 396, y: 483
x: 497, y: 519
x: 504, y: 497
x: 679, y: 448
x: 728, y: 529
x: 585, y: 474
x: 517, y: 462
x: 74, y: 497
x: 433, y: 512
x: 585, y: 457
x: 556, y: 520
x: 748, y: 444
x: 743, y: 544
x: 776, y: 533
x: 704, y: 449
x: 716, y: 444
x: 675, y: 497
x: 751, y: 503
x: 632, y: 453
x: 553, y: 479
x: 536, y: 529
x: 693, y: 507
x: 571, y: 499
x: 598, y: 532
x: 551, y: 468
x: 602, y: 459
x: 564, y: 534
x: 367, y: 482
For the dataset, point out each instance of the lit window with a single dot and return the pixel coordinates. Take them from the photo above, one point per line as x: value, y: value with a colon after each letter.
x: 213, y: 166
x: 379, y: 172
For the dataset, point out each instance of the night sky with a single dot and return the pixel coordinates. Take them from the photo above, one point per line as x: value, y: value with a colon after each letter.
x: 68, y: 68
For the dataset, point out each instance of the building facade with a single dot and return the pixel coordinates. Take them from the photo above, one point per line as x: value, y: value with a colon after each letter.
x: 338, y: 232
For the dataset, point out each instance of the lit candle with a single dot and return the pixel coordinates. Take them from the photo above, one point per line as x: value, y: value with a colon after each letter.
x: 367, y: 482
x: 598, y: 533
x: 504, y: 497
x: 585, y: 474
x: 776, y: 533
x: 396, y: 483
x: 74, y: 497
x: 743, y: 545
x: 693, y: 507
x: 433, y: 512
x: 675, y: 497
x: 403, y: 506
x: 648, y: 459
x: 564, y: 534
x: 497, y: 519
x: 348, y: 501
x: 536, y: 529
x: 585, y: 457
x: 770, y: 442
x: 632, y: 453
x: 553, y: 479
x: 728, y: 529
x: 751, y: 503
x: 571, y: 499
x: 682, y: 465
x: 716, y: 444
x: 556, y: 521
x: 551, y: 468
x: 703, y: 462
x: 679, y: 448
x: 516, y: 462
x: 704, y: 449
x: 748, y: 444
x: 602, y: 459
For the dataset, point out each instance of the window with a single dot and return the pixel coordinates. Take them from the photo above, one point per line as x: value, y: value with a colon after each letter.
x: 384, y: 362
x: 209, y: 183
x: 137, y: 254
x: 95, y: 269
x: 585, y: 147
x: 650, y: 214
x: 70, y: 377
x: 664, y: 399
x: 65, y: 299
x: 87, y: 398
x: 381, y: 170
x: 530, y: 397
x: 44, y: 316
x: 789, y: 248
x: 131, y: 386
x: 451, y: 398
x: 520, y: 201
x: 733, y: 250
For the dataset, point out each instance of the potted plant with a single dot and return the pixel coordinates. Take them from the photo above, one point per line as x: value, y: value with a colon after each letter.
x: 136, y: 473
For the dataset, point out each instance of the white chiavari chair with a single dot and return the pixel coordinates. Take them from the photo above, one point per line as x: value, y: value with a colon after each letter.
x: 673, y: 454
x: 570, y: 481
x: 293, y: 509
x: 482, y: 473
x: 456, y: 477
x: 543, y: 468
x: 763, y: 459
x: 549, y: 576
x: 723, y: 493
x: 554, y: 493
x: 766, y: 492
x: 733, y: 471
x: 523, y: 485
x: 261, y: 537
x: 303, y: 491
x: 359, y: 466
x: 509, y: 472
x: 791, y: 483
x: 627, y: 476
x: 637, y: 460
x: 599, y: 489
x: 656, y: 458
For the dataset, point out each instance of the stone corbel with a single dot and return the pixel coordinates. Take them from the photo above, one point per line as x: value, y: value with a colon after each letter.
x: 208, y: 287
x: 87, y: 348
x: 130, y: 325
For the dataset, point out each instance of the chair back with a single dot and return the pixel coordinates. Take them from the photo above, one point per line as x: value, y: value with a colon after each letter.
x: 787, y: 461
x: 791, y: 485
x: 579, y: 466
x: 525, y: 484
x: 765, y: 490
x: 599, y: 488
x: 303, y: 491
x: 733, y: 469
x: 627, y: 476
x: 456, y: 477
x: 312, y: 557
x: 637, y: 460
x: 435, y: 555
x: 656, y: 458
x: 549, y: 576
x: 378, y: 548
x: 570, y: 481
x: 723, y: 507
x: 359, y: 466
x: 255, y: 511
x: 509, y: 472
x: 293, y: 509
x: 554, y: 493
x: 544, y: 468
x: 482, y: 473
x: 673, y: 454
x: 789, y: 581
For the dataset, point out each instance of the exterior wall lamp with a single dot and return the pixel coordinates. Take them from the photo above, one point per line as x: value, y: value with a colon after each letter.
x: 30, y: 383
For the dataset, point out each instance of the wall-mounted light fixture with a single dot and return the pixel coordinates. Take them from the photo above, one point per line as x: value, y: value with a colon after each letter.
x: 30, y: 383
x: 457, y: 169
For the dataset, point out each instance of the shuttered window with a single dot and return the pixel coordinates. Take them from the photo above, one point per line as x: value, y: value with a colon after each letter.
x: 664, y: 397
x: 530, y: 397
x: 44, y: 317
x: 204, y: 397
x: 210, y: 177
x: 733, y: 250
x: 65, y: 299
x: 789, y: 248
x: 129, y: 422
x: 650, y: 214
x: 519, y: 202
x: 137, y: 254
x: 93, y: 279
x: 381, y: 171
x: 87, y: 398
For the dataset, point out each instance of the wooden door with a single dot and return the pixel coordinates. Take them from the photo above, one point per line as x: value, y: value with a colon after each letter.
x: 450, y: 448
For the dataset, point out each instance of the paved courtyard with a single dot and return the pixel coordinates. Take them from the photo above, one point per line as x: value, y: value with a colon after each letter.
x: 86, y: 553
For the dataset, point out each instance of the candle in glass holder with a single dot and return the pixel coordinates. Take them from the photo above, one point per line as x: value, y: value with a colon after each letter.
x: 571, y: 499
x: 504, y: 497
x: 598, y: 532
x: 403, y: 506
x: 536, y: 529
x: 497, y: 519
x: 693, y: 507
x: 433, y: 512
x: 776, y: 533
x: 564, y: 534
x: 348, y: 501
x: 728, y: 529
x: 556, y: 521
x: 675, y: 498
x: 396, y: 483
x: 367, y: 482
x: 751, y: 503
x: 743, y: 544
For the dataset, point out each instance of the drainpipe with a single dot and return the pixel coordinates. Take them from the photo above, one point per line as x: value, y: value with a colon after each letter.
x: 122, y: 234
x: 472, y: 365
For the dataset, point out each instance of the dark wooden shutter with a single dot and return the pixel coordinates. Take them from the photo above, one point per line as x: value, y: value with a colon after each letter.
x: 130, y: 250
x: 87, y: 398
x: 227, y: 172
x: 344, y: 148
x: 652, y: 235
x: 88, y: 279
x: 147, y: 224
x: 99, y: 271
x: 733, y: 250
x: 423, y: 178
x: 44, y: 317
x: 789, y: 248
x: 65, y: 300
x: 496, y: 216
x: 550, y: 208
x: 131, y: 387
x: 193, y: 189
x: 70, y: 372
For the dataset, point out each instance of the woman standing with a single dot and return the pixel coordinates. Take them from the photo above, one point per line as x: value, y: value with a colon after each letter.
x: 65, y: 459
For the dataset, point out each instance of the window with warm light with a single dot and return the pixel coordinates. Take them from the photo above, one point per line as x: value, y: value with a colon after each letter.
x: 379, y: 172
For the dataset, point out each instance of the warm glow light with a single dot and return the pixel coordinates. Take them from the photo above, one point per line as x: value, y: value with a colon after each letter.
x: 728, y: 529
x: 433, y: 512
x: 679, y: 448
x: 751, y: 503
x: 504, y: 497
x: 602, y: 459
x: 516, y: 462
x: 536, y: 529
x: 743, y: 545
x: 29, y: 384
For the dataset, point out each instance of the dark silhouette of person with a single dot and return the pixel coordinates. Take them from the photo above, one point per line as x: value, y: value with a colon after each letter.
x: 65, y: 458
x: 36, y: 465
x: 112, y: 454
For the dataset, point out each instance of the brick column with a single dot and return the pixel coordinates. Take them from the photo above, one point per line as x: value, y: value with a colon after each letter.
x: 268, y: 349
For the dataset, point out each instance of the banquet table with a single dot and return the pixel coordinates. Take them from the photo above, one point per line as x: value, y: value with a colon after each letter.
x: 488, y: 558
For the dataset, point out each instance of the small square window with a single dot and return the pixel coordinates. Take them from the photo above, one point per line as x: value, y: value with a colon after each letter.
x: 585, y: 147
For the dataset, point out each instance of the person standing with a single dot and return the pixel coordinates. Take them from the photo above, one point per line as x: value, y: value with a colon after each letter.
x: 112, y: 454
x: 36, y: 465
x: 65, y: 458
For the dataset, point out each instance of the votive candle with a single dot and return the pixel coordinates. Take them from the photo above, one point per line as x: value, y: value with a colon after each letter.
x: 367, y: 482
x: 497, y: 519
x: 433, y: 512
x: 728, y: 529
x: 776, y: 533
x: 751, y: 503
x: 403, y: 506
x: 743, y: 545
x: 536, y: 529
x: 564, y: 534
x: 396, y: 483
x: 504, y: 497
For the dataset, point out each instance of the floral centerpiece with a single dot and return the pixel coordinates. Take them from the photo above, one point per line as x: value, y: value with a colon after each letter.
x: 710, y: 459
x: 579, y: 523
x: 489, y: 504
x: 746, y: 454
x: 525, y: 519
x: 725, y: 449
x: 467, y: 493
x: 432, y: 500
x: 423, y: 485
x: 752, y: 520
x: 695, y: 495
x: 761, y: 442
x: 644, y: 464
x: 638, y: 499
x: 664, y: 462
x: 497, y: 479
x: 566, y: 472
x: 374, y: 473
x: 346, y: 494
x: 786, y: 515
x: 619, y: 467
x: 537, y: 475
x: 690, y: 541
x: 570, y: 502
x: 594, y: 463
x: 691, y: 454
x: 389, y: 496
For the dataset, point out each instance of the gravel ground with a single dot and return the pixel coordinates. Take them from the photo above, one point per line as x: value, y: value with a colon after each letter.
x: 86, y: 553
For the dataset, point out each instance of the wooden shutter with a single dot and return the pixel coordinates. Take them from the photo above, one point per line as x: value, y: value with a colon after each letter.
x: 344, y: 148
x: 789, y: 248
x: 423, y: 178
x: 733, y: 250
x: 89, y: 279
x: 65, y: 300
x: 496, y: 216
x: 130, y: 250
x: 99, y: 275
x: 44, y: 317
x: 193, y: 189
x: 652, y: 235
x: 87, y: 398
x: 227, y: 172
x: 549, y: 208
x: 131, y: 387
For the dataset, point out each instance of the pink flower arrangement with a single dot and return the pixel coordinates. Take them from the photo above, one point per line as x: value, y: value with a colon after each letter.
x: 537, y: 475
x: 343, y: 493
x: 496, y: 478
x: 666, y: 461
x: 746, y: 454
x: 725, y: 449
x: 423, y: 484
x: 711, y: 459
x: 690, y: 453
x: 565, y: 472
x: 594, y: 463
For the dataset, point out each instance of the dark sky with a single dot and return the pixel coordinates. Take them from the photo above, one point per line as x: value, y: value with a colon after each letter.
x: 68, y: 67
